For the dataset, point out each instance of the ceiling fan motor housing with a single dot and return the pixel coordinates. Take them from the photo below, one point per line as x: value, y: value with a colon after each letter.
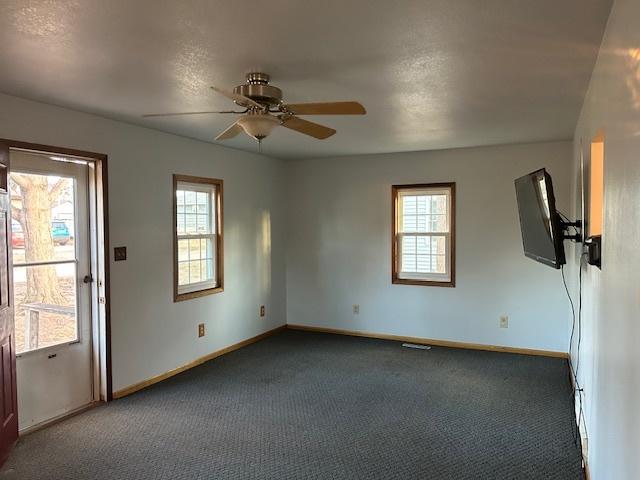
x: 258, y: 89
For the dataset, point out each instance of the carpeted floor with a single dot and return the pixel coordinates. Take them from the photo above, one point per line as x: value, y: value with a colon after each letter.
x: 316, y: 406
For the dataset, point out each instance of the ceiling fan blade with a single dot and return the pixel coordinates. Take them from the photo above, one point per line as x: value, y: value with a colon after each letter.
x: 230, y: 132
x: 308, y: 128
x: 185, y: 113
x: 326, y: 108
x: 241, y: 99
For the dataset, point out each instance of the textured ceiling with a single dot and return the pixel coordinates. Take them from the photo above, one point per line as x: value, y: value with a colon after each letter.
x: 431, y: 73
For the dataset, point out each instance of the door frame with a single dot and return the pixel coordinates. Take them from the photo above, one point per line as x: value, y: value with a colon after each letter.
x: 100, y: 163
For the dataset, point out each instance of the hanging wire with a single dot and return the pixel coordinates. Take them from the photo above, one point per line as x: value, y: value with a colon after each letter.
x: 575, y: 369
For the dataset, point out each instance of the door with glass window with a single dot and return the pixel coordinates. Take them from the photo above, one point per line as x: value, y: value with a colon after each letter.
x: 51, y: 291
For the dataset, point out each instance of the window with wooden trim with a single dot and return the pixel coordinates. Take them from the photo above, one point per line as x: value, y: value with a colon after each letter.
x: 596, y: 187
x: 197, y: 237
x: 423, y: 244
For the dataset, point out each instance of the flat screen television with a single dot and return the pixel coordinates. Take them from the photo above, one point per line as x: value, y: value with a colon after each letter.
x: 540, y: 223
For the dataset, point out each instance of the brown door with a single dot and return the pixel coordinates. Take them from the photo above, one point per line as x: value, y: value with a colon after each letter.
x: 8, y: 399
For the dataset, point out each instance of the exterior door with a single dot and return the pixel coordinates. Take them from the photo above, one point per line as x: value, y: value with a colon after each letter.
x: 8, y: 401
x: 51, y: 286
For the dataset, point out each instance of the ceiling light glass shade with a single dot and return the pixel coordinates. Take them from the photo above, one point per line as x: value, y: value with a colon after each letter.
x: 258, y: 126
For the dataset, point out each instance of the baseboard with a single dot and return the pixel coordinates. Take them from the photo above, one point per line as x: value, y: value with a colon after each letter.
x: 199, y: 361
x: 431, y: 341
x: 58, y: 418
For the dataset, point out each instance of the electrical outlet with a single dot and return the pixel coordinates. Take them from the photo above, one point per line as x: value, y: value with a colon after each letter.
x: 201, y: 330
x: 504, y: 321
x: 356, y: 309
x: 262, y: 310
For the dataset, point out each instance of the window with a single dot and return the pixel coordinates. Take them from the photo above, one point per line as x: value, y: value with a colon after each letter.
x: 423, y: 246
x: 197, y: 244
x: 596, y: 190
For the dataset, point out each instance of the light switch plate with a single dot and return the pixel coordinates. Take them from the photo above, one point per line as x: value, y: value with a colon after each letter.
x: 119, y: 254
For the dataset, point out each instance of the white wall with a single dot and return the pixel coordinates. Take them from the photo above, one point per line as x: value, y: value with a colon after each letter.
x: 610, y: 353
x: 339, y: 248
x: 337, y: 231
x: 150, y: 333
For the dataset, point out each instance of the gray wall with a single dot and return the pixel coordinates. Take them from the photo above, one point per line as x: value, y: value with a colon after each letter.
x: 339, y: 248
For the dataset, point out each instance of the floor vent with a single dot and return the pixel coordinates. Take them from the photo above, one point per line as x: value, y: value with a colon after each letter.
x: 415, y: 345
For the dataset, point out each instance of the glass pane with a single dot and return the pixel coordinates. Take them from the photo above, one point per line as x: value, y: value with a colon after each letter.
x: 183, y: 273
x: 196, y: 260
x: 438, y: 245
x: 423, y: 245
x: 203, y: 224
x: 408, y: 254
x: 409, y: 205
x: 44, y: 299
x: 408, y: 263
x: 183, y: 250
x: 410, y: 223
x: 194, y: 271
x: 439, y: 223
x: 439, y: 204
x: 190, y: 200
x: 206, y: 267
x: 208, y: 248
x: 195, y: 249
x: 191, y: 222
x: 423, y: 263
x: 423, y: 204
x: 203, y: 202
x: 180, y: 201
x: 180, y: 223
x: 43, y: 217
x: 423, y: 254
x: 424, y: 223
x: 212, y: 211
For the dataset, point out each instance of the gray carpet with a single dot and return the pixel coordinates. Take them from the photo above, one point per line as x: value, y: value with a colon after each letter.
x: 315, y: 406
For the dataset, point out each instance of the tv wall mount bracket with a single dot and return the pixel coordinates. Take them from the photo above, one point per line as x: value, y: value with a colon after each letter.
x: 577, y: 225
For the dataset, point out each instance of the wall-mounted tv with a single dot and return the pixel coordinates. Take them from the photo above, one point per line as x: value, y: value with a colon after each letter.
x: 540, y: 223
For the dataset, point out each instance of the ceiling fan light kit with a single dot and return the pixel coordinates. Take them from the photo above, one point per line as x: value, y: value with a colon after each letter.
x: 260, y: 100
x: 258, y: 125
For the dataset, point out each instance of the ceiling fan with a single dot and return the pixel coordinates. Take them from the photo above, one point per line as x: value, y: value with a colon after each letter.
x: 261, y: 101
